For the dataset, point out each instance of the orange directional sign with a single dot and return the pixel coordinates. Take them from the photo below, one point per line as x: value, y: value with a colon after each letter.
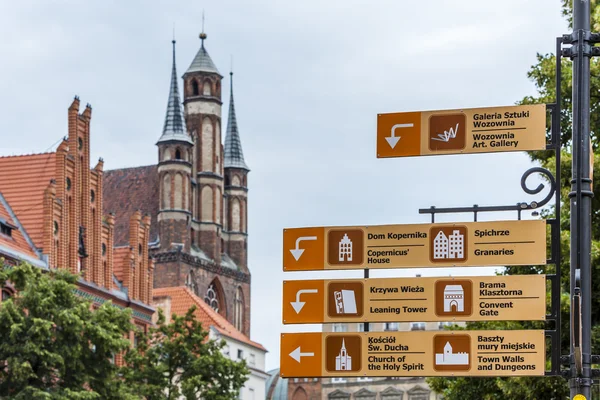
x: 475, y: 130
x: 430, y: 353
x: 419, y: 245
x: 486, y: 298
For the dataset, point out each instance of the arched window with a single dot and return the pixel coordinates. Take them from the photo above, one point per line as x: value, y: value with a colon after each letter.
x: 6, y: 294
x: 207, y: 145
x: 178, y: 192
x: 238, y: 310
x: 212, y: 297
x: 300, y: 394
x: 207, y: 204
x: 195, y: 90
x: 235, y: 216
x: 178, y: 154
x: 235, y: 181
x: 166, y: 186
x: 206, y: 89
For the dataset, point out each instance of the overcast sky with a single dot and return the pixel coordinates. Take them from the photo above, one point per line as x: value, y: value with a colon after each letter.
x: 310, y: 78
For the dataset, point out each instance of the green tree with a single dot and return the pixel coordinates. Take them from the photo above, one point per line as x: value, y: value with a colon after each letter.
x: 53, y: 345
x: 177, y: 359
x: 543, y: 74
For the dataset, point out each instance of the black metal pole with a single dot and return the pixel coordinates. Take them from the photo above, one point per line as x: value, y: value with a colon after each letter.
x: 580, y: 197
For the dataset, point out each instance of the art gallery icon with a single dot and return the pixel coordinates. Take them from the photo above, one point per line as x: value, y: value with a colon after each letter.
x: 453, y: 297
x: 345, y: 247
x: 447, y: 132
x: 345, y: 298
x: 452, y: 352
x: 448, y: 243
x: 343, y: 353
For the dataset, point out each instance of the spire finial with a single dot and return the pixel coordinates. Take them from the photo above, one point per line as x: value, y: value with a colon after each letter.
x: 202, y: 34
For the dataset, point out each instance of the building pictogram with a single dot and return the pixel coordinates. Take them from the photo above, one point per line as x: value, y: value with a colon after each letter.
x: 454, y: 298
x: 343, y: 362
x: 448, y: 243
x: 345, y: 248
x: 448, y: 357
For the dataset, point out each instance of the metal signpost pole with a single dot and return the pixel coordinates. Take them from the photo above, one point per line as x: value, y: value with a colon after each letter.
x: 581, y: 202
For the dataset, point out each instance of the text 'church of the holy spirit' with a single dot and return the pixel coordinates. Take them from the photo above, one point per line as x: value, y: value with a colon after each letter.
x: 196, y: 196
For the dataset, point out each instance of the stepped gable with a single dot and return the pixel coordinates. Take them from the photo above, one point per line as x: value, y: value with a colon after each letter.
x: 127, y: 190
x: 182, y: 298
x: 23, y: 180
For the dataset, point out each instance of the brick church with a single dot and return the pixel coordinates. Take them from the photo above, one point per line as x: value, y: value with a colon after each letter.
x: 196, y: 196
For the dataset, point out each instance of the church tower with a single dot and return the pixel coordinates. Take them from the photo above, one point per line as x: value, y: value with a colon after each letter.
x: 175, y: 157
x: 236, y: 191
x: 202, y: 102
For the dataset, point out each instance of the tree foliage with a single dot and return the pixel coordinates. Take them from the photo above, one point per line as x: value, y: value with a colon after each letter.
x: 543, y: 75
x: 178, y: 360
x: 53, y: 345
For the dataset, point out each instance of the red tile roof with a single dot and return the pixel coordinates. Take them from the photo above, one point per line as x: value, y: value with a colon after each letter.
x: 128, y: 190
x: 17, y: 239
x: 182, y: 298
x: 23, y: 180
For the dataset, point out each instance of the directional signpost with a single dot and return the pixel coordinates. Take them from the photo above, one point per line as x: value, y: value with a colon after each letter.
x: 489, y: 298
x: 475, y: 130
x: 429, y: 353
x: 434, y: 245
x: 419, y: 245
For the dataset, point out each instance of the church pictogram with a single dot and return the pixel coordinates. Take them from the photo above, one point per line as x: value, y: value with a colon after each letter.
x: 343, y: 362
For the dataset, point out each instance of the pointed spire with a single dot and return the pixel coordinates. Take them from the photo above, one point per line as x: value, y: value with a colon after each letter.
x: 174, y: 128
x: 202, y: 62
x: 233, y: 154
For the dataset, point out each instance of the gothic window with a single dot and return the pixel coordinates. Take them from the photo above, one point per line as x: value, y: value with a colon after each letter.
x: 206, y: 89
x: 235, y: 216
x: 207, y: 145
x: 178, y: 192
x: 92, y: 196
x: 212, y: 297
x: 235, y: 181
x: 68, y: 183
x: 103, y: 249
x: 166, y: 191
x: 5, y: 294
x: 55, y: 228
x: 300, y: 394
x: 195, y: 91
x: 178, y: 154
x: 218, y: 202
x: 207, y: 203
x: 238, y: 311
x: 79, y: 143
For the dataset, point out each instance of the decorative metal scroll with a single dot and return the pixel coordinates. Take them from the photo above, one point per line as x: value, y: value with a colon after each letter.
x: 518, y: 207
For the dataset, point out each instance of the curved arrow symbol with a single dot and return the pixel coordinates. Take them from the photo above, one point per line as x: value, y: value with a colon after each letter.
x: 393, y: 140
x: 297, y: 252
x: 297, y: 354
x: 299, y: 304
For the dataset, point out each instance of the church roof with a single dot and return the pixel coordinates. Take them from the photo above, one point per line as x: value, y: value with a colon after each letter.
x: 182, y: 298
x: 23, y: 180
x: 127, y: 190
x: 174, y: 128
x: 18, y: 245
x: 202, y: 62
x: 233, y: 154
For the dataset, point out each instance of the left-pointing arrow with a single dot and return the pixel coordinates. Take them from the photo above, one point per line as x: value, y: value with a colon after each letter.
x: 297, y: 354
